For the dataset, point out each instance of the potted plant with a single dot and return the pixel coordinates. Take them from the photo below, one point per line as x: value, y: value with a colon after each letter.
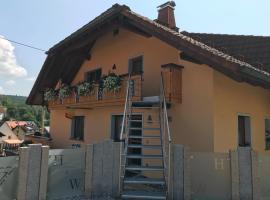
x: 112, y: 82
x: 50, y: 94
x: 64, y: 92
x: 84, y: 88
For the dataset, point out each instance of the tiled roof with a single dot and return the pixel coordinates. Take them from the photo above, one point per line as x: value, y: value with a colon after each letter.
x: 253, y: 49
x: 205, y: 45
x: 14, y: 124
x: 199, y: 47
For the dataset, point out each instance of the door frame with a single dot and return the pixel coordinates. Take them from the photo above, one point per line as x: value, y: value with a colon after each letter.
x: 251, y: 135
x: 112, y: 129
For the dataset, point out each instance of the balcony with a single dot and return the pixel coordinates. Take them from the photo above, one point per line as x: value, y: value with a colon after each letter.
x: 100, y: 98
x: 172, y: 79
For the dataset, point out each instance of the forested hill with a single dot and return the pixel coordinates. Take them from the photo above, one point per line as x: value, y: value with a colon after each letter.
x: 14, y: 98
x: 18, y: 110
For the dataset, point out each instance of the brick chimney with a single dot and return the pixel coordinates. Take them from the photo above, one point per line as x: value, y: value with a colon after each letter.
x: 166, y: 15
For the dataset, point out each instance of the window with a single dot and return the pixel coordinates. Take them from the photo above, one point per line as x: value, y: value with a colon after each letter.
x: 267, y: 133
x: 244, y: 133
x: 77, y: 128
x: 93, y: 76
x: 136, y: 65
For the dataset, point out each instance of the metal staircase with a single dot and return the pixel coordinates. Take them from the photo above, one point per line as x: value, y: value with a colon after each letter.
x: 144, y: 156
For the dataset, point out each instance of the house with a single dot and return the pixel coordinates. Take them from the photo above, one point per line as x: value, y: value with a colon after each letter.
x: 217, y: 86
x: 123, y: 76
x: 22, y: 128
x: 8, y: 139
x: 222, y: 80
x: 7, y: 132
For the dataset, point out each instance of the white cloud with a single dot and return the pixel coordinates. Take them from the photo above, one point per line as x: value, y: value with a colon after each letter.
x: 8, y: 63
x: 10, y: 82
x: 30, y: 79
x: 2, y: 90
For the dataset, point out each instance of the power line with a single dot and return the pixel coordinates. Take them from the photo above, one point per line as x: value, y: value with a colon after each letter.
x: 22, y: 44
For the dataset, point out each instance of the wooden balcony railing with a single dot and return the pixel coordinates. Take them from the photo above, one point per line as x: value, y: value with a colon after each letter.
x: 172, y: 77
x: 99, y: 97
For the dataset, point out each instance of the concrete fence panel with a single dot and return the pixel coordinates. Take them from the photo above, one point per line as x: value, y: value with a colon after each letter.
x: 66, y: 175
x: 93, y: 173
x: 210, y: 176
x: 264, y: 176
x: 8, y: 177
x: 32, y: 181
x: 103, y: 169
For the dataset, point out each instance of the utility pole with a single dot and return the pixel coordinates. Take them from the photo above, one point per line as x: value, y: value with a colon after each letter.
x: 42, y: 119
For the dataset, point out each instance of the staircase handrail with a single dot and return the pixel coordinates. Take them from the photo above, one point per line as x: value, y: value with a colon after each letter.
x: 165, y: 109
x: 125, y: 108
x: 123, y: 129
x: 165, y: 125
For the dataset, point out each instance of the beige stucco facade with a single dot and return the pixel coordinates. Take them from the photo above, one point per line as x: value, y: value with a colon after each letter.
x: 206, y: 120
x: 232, y: 98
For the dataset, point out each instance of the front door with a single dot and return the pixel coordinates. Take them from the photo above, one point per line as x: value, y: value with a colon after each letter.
x: 116, y: 127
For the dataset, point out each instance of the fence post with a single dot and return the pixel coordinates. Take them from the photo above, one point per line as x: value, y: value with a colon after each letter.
x: 44, y: 172
x: 180, y: 179
x: 116, y: 169
x: 234, y: 175
x: 255, y: 176
x: 23, y: 173
x: 244, y: 174
x: 33, y: 171
x: 88, y: 170
x: 187, y: 174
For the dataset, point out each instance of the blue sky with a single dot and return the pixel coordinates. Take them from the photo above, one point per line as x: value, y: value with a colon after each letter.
x: 44, y: 23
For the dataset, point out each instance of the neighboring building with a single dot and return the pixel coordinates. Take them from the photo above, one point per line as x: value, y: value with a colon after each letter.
x: 3, y: 112
x: 217, y: 86
x: 7, y: 132
x: 8, y: 140
x: 22, y: 128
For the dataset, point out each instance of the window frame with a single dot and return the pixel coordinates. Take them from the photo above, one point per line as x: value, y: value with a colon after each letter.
x: 73, y: 135
x: 91, y: 71
x: 130, y: 66
x: 250, y: 120
x: 265, y: 140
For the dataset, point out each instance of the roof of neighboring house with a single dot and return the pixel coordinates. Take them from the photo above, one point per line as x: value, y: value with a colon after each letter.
x: 65, y: 58
x: 14, y: 124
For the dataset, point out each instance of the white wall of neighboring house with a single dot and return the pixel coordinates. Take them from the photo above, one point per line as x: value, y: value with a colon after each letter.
x: 5, y: 129
x: 2, y: 116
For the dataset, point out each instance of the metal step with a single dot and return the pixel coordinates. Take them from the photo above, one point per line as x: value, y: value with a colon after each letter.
x: 150, y: 156
x: 144, y: 146
x: 143, y: 195
x: 151, y: 128
x: 144, y: 168
x: 152, y: 181
x: 135, y: 120
x: 151, y: 99
x: 135, y: 128
x: 145, y: 107
x: 144, y: 136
